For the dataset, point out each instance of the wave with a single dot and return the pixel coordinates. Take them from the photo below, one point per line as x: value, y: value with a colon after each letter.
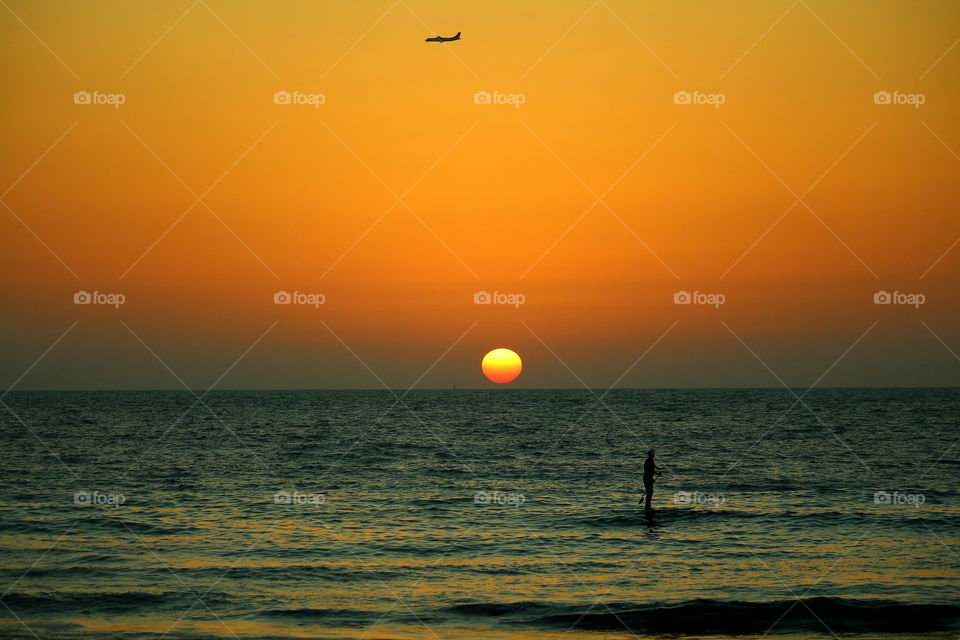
x: 108, y: 602
x: 672, y: 515
x: 821, y: 615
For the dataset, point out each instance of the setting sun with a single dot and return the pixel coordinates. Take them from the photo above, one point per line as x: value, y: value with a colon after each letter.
x: 501, y: 365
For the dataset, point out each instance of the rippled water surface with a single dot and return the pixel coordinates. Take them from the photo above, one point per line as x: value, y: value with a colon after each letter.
x: 469, y: 514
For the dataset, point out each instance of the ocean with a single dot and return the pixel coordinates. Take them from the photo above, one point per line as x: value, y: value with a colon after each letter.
x: 480, y: 514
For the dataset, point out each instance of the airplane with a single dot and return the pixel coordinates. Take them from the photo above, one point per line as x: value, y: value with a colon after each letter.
x: 442, y: 39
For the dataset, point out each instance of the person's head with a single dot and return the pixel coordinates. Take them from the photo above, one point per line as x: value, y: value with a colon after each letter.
x: 650, y: 453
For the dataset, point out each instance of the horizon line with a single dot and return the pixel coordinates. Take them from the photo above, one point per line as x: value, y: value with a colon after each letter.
x: 451, y: 388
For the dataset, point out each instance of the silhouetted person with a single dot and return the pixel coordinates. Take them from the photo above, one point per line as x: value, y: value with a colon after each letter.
x: 650, y: 473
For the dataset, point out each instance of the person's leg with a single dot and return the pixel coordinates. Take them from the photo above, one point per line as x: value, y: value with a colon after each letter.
x: 648, y: 496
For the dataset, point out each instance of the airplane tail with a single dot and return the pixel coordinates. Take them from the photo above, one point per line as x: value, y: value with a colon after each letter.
x: 458, y: 35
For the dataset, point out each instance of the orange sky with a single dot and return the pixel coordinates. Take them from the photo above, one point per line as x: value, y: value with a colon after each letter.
x: 298, y: 198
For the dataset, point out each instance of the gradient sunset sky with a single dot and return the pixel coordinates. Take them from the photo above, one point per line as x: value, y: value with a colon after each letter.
x: 399, y: 197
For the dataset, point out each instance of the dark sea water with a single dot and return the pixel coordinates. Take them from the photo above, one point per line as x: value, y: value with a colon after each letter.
x: 479, y: 514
